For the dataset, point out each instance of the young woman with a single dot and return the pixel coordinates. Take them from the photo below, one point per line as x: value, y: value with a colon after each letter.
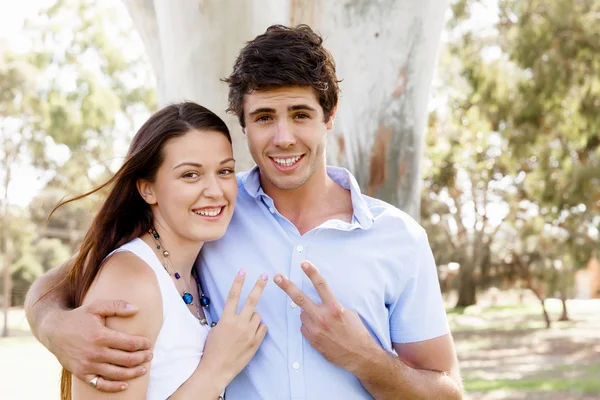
x: 176, y: 190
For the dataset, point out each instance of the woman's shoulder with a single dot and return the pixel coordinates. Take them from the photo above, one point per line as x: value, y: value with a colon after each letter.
x: 125, y: 276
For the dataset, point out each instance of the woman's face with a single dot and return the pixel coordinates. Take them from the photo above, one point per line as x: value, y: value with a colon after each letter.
x: 195, y: 188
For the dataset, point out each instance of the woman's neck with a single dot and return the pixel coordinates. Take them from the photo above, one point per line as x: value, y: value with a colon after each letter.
x: 182, y: 252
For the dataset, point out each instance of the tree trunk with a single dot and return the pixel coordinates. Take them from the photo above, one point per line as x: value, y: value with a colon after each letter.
x: 5, y: 249
x: 546, y: 316
x: 565, y: 315
x: 542, y: 300
x: 467, y: 287
x: 385, y: 52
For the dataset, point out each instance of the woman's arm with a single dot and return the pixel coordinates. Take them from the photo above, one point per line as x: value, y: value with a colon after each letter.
x: 76, y: 337
x: 125, y: 276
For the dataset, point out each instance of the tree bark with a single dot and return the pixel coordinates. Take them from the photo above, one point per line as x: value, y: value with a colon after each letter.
x: 467, y: 286
x: 542, y: 300
x: 564, y: 315
x: 385, y: 52
x: 5, y: 247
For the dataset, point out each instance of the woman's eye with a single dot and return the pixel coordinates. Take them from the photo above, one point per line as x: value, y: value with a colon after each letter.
x: 227, y: 171
x: 190, y: 175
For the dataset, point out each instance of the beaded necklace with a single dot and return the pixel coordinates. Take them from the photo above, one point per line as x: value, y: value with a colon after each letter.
x: 186, y: 296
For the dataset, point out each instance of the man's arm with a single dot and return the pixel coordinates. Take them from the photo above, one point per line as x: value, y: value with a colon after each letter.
x: 422, y: 370
x: 79, y: 338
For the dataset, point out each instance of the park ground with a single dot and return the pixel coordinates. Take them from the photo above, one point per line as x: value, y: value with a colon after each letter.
x: 504, y: 350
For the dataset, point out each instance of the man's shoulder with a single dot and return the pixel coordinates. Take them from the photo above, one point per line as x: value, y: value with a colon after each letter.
x: 388, y: 216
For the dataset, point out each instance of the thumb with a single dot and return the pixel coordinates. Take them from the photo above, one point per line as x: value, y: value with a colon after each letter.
x: 112, y: 308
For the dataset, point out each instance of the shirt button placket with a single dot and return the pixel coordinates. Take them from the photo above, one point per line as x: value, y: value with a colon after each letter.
x: 295, y: 353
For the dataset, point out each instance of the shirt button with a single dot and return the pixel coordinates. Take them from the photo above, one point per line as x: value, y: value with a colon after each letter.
x: 299, y: 248
x: 296, y: 366
x: 272, y: 210
x: 293, y: 305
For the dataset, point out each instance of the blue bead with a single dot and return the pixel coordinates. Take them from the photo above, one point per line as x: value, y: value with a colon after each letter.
x: 187, y: 298
x: 156, y: 236
x: 177, y: 276
x: 205, y: 301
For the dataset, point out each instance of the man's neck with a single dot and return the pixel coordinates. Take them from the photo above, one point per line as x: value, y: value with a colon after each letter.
x: 317, y: 200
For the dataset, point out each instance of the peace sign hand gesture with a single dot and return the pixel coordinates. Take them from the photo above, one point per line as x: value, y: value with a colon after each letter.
x: 337, y: 333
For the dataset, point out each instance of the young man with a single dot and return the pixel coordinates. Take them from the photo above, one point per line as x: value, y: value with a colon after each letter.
x: 357, y: 313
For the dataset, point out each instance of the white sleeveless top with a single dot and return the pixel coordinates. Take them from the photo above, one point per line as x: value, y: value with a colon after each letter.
x: 180, y: 342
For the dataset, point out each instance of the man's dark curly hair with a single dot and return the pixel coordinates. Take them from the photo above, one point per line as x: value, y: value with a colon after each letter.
x: 284, y: 56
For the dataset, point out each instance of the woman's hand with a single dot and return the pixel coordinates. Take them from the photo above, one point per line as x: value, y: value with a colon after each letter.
x: 233, y: 342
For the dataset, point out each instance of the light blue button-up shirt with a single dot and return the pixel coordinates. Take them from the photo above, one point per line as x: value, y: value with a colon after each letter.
x: 379, y: 265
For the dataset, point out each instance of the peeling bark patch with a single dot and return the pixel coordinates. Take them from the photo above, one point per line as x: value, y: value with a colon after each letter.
x: 378, y: 161
x: 401, y: 83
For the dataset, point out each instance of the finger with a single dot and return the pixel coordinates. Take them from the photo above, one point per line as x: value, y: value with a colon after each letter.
x: 122, y: 341
x: 320, y: 284
x: 255, y: 321
x: 125, y: 358
x: 295, y: 294
x: 233, y: 298
x: 254, y: 296
x: 112, y: 308
x: 261, y: 333
x: 307, y: 334
x: 114, y: 373
x: 106, y: 386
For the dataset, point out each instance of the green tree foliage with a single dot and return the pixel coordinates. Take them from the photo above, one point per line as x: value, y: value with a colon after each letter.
x: 516, y: 146
x: 68, y: 107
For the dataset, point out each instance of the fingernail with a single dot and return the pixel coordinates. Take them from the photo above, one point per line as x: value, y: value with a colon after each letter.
x: 264, y: 276
x: 304, y: 266
x: 144, y: 370
x: 149, y: 357
x: 278, y: 279
x: 242, y: 272
x: 123, y: 387
x: 130, y: 307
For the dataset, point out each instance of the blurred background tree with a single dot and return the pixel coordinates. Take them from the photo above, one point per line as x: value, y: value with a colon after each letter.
x: 67, y: 106
x: 513, y: 175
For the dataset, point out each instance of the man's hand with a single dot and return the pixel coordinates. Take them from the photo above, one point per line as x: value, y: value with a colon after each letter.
x: 87, y: 348
x: 335, y: 332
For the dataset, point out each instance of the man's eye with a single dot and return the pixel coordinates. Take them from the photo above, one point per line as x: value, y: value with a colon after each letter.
x: 302, y: 116
x: 263, y: 118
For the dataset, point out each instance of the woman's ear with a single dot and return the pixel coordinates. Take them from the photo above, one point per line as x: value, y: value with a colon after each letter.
x: 146, y: 190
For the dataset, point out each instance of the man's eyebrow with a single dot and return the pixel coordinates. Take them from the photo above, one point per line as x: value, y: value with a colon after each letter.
x: 262, y: 110
x: 301, y: 107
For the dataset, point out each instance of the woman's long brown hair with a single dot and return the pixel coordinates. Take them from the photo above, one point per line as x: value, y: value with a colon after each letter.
x: 124, y: 215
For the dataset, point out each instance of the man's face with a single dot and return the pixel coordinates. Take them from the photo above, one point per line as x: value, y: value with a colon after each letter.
x: 286, y: 134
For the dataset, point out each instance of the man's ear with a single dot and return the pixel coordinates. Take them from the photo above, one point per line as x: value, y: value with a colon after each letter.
x: 146, y: 190
x: 331, y: 122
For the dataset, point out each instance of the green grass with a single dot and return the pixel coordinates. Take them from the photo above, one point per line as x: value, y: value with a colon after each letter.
x: 534, y: 385
x: 592, y: 370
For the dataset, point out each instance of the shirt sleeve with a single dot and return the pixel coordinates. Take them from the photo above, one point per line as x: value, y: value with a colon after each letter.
x: 419, y: 314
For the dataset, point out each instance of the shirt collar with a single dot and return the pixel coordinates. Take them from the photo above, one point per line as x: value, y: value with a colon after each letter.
x: 341, y: 176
